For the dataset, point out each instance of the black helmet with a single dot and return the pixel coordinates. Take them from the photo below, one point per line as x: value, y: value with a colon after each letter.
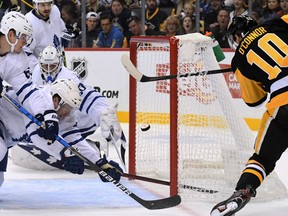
x: 240, y: 25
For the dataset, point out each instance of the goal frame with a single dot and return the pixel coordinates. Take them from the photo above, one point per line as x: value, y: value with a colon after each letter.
x: 173, y: 41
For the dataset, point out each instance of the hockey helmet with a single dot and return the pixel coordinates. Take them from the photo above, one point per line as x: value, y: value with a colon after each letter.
x: 240, y: 25
x: 18, y: 22
x: 42, y: 1
x: 68, y: 92
x: 50, y: 63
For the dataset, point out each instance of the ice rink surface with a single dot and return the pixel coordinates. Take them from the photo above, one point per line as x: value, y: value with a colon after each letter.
x: 27, y: 192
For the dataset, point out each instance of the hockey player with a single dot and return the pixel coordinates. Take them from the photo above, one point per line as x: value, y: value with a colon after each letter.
x: 260, y: 65
x: 48, y: 28
x: 15, y: 32
x: 66, y: 99
x: 94, y: 109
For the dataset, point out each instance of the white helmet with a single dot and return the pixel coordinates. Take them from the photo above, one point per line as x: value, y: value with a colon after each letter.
x: 18, y: 22
x: 68, y: 91
x: 42, y: 1
x: 36, y: 2
x: 50, y: 63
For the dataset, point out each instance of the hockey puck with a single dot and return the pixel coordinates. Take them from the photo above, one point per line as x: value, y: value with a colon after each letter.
x: 145, y: 127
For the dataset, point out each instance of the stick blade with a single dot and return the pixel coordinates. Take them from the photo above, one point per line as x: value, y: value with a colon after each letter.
x: 131, y: 69
x: 168, y: 202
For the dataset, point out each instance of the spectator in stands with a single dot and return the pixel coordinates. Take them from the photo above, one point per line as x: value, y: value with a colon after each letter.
x: 105, y: 5
x: 166, y: 3
x: 210, y: 19
x: 92, y: 29
x: 92, y: 6
x: 188, y: 25
x: 239, y: 8
x: 270, y: 11
x: 171, y: 26
x: 120, y: 14
x: 220, y: 31
x: 255, y: 16
x: 284, y: 8
x: 257, y: 7
x: 110, y: 36
x: 189, y: 9
x: 154, y: 17
x: 180, y: 8
x: 135, y: 28
x: 74, y: 3
x: 70, y: 17
x: 205, y: 7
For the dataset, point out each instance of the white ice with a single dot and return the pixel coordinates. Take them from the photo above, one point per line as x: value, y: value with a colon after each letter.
x: 29, y: 192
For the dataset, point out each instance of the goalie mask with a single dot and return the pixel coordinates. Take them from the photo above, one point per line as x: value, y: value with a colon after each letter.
x: 240, y: 26
x: 68, y: 92
x: 50, y: 63
x: 17, y: 22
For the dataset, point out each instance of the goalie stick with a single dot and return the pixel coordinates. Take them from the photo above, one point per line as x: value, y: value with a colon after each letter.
x: 149, y: 204
x: 133, y: 71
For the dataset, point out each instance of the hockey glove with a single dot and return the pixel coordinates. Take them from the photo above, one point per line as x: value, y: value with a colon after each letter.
x: 73, y: 163
x: 108, y: 121
x: 111, y: 168
x: 50, y: 122
x: 71, y: 32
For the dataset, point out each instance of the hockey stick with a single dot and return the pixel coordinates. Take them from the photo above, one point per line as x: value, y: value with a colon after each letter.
x: 162, y: 182
x: 157, y: 181
x: 149, y: 204
x: 133, y: 71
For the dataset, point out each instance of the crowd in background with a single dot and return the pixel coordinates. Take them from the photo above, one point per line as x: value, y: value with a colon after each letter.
x: 111, y: 23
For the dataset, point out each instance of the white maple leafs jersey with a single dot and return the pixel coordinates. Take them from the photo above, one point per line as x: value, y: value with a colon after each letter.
x: 44, y: 33
x: 22, y: 129
x: 93, y: 103
x: 15, y: 71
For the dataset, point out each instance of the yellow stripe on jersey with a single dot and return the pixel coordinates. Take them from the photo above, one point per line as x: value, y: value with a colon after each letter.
x: 251, y: 91
x: 277, y: 101
x: 265, y: 122
x: 259, y: 176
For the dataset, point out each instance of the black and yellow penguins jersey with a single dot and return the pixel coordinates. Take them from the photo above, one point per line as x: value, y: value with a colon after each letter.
x: 261, y: 64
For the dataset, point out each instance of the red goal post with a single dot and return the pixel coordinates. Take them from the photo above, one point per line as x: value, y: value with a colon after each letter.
x: 134, y: 45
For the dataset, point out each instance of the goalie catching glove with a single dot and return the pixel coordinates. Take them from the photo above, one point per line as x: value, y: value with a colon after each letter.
x: 50, y: 125
x: 111, y: 168
x: 109, y: 121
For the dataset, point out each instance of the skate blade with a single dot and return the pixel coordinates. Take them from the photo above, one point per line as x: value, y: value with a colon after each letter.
x: 227, y: 212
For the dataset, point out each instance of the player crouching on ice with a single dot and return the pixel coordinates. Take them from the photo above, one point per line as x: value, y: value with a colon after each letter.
x: 66, y: 99
x: 260, y: 65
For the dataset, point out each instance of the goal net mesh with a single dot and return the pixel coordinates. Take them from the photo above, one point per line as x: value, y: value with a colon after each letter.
x: 213, y: 140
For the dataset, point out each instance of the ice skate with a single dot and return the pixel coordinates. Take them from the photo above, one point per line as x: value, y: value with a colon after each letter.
x: 233, y: 204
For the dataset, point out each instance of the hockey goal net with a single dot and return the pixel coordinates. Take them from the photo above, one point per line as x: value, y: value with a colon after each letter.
x: 196, y: 140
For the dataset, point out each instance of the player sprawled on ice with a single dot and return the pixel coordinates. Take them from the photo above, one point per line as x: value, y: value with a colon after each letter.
x: 94, y: 110
x: 260, y: 65
x: 66, y: 100
x: 16, y: 32
x: 48, y: 29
